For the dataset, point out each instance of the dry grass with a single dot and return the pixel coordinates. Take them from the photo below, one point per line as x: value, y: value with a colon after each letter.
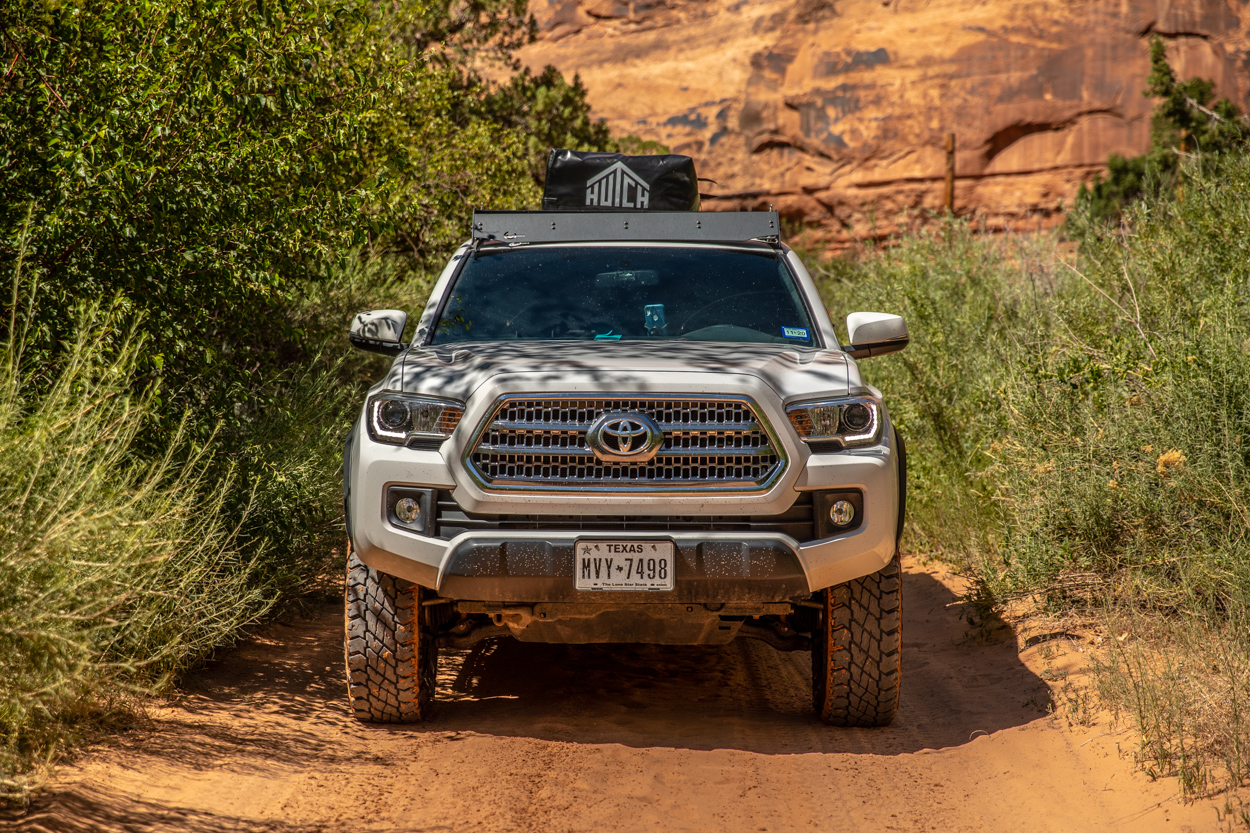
x: 1185, y: 683
x: 115, y: 573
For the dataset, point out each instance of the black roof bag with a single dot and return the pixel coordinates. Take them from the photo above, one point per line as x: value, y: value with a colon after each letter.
x: 586, y: 180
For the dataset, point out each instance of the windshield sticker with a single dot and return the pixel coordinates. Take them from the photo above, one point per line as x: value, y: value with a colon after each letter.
x: 794, y: 332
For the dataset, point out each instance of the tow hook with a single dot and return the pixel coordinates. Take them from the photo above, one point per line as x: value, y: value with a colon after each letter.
x: 513, y: 617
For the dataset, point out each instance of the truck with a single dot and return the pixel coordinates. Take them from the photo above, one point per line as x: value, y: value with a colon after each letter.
x: 625, y: 425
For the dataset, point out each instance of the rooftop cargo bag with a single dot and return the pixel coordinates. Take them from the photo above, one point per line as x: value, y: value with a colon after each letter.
x: 585, y: 180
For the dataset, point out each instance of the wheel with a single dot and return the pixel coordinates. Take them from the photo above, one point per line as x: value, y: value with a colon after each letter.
x: 391, y: 656
x: 857, y: 650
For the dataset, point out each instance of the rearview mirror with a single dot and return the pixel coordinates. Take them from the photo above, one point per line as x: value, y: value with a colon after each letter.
x: 875, y: 334
x: 627, y: 278
x: 379, y: 331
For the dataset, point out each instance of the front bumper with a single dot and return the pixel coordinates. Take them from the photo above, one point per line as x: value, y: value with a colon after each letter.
x: 538, y: 567
x: 532, y: 567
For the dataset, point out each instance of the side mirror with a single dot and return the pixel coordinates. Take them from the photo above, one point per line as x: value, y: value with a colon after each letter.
x: 379, y: 331
x: 875, y: 334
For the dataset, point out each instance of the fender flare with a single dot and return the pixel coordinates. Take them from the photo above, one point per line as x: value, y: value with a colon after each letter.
x: 347, y: 485
x: 901, y: 445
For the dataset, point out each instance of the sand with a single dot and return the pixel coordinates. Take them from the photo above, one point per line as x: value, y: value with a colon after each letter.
x: 593, y: 738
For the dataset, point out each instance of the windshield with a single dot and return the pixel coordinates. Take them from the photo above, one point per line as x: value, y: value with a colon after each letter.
x: 625, y: 293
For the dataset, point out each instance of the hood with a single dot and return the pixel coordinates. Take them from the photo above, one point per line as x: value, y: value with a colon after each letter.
x: 455, y: 371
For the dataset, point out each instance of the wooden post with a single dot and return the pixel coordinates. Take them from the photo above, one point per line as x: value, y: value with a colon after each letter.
x: 950, y: 173
x: 1180, y: 173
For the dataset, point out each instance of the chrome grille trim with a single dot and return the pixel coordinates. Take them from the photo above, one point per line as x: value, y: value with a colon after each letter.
x: 711, y: 443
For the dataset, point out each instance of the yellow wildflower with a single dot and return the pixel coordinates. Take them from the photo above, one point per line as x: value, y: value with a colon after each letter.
x: 1170, y: 462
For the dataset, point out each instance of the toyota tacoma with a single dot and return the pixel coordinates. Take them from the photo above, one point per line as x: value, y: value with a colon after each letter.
x: 625, y: 426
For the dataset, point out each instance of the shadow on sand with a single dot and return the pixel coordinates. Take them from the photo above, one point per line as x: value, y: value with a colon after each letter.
x: 957, y: 684
x: 747, y: 696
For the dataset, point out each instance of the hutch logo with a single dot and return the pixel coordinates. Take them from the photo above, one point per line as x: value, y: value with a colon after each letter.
x: 618, y: 187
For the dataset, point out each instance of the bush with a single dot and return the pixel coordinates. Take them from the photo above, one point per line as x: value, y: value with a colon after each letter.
x: 966, y: 300
x: 198, y: 160
x: 1127, y: 460
x: 119, y: 571
x: 1125, y: 446
x: 286, y: 443
x: 1187, y: 120
x: 1079, y: 432
x: 550, y: 113
x: 114, y: 572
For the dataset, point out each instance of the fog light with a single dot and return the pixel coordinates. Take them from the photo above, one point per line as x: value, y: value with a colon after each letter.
x: 409, y: 511
x: 841, y: 513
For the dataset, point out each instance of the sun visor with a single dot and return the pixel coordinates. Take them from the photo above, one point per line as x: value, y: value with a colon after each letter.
x: 585, y: 180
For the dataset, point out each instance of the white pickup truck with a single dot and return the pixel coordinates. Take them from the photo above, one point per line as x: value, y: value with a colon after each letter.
x: 618, y: 427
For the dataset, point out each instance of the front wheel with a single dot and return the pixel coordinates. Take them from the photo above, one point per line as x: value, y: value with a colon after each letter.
x: 391, y: 656
x: 857, y: 650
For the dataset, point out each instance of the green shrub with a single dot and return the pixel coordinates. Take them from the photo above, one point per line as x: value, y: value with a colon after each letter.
x: 286, y: 443
x: 199, y: 159
x: 119, y: 571
x: 231, y: 181
x: 1125, y: 467
x: 966, y: 300
x: 115, y: 573
x: 1187, y: 120
x: 1126, y: 443
x: 550, y: 113
x: 1078, y: 420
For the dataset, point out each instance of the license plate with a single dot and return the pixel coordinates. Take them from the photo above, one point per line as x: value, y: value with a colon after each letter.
x: 623, y: 565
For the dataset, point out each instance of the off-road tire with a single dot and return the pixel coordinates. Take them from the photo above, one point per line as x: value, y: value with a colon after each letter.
x: 857, y: 650
x: 391, y: 655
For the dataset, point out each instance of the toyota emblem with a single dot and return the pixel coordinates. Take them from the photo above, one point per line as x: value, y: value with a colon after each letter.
x: 624, y: 438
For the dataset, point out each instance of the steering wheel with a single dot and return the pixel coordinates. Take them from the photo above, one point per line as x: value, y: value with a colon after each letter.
x: 569, y: 319
x: 521, y: 312
x: 692, y: 316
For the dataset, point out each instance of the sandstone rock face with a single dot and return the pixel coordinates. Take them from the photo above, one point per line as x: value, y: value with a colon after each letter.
x: 837, y: 111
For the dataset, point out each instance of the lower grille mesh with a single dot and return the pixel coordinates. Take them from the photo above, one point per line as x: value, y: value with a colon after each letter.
x: 797, y: 521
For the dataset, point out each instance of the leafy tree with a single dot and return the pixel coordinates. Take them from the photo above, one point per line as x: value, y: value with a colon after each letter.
x: 199, y: 159
x: 549, y: 112
x: 193, y: 195
x: 187, y: 156
x: 462, y: 33
x: 640, y: 146
x: 1187, y: 115
x: 1186, y: 120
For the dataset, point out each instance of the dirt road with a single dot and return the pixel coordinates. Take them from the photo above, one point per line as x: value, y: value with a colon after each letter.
x: 597, y: 738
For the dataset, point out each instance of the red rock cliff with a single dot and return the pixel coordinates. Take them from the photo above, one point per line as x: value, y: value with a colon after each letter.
x: 837, y: 110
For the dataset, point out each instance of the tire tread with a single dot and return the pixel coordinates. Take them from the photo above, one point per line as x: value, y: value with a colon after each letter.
x: 391, y: 659
x: 857, y: 653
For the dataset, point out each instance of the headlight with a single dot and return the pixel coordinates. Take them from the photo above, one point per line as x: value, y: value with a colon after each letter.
x: 412, y: 420
x: 837, y: 423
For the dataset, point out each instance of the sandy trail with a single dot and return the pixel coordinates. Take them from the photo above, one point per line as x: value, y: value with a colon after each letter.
x: 591, y: 738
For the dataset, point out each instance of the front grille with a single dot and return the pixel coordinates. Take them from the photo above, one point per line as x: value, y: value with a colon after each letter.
x: 709, y: 443
x: 797, y: 521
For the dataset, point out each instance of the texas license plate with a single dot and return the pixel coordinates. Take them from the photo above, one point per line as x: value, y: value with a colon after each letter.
x: 623, y: 565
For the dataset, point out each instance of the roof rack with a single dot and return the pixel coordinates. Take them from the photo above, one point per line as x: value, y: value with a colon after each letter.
x: 517, y: 228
